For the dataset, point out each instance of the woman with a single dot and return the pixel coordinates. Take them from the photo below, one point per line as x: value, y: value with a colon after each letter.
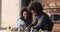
x: 24, y: 19
x: 40, y: 19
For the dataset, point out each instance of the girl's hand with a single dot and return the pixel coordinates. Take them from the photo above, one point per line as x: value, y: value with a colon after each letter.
x: 24, y: 24
x: 27, y: 27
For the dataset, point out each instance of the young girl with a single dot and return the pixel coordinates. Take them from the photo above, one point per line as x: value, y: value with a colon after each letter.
x: 24, y: 19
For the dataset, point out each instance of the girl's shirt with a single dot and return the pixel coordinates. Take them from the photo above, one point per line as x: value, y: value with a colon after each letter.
x: 21, y: 21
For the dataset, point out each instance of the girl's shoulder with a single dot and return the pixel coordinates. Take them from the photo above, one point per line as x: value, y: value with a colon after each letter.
x: 20, y: 18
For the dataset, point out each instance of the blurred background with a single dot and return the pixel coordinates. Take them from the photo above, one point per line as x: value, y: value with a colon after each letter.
x: 51, y: 7
x: 10, y: 9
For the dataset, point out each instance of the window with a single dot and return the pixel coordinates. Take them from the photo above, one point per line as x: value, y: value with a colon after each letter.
x: 10, y: 13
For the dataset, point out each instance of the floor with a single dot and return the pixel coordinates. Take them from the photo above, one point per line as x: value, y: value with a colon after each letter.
x: 56, y: 28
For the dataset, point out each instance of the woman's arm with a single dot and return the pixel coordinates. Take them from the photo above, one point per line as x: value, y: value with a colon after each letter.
x: 38, y: 24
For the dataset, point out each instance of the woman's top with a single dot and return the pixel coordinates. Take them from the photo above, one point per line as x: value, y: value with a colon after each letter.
x: 43, y: 22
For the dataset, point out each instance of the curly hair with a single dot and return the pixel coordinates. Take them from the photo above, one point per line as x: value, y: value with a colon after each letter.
x: 23, y: 10
x: 34, y: 5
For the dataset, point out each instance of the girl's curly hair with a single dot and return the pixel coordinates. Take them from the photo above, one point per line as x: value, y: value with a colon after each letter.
x: 24, y: 9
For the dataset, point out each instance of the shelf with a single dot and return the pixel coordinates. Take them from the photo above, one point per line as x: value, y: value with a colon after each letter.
x: 51, y: 7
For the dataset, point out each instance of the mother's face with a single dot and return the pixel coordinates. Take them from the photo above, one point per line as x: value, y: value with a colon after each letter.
x: 25, y: 14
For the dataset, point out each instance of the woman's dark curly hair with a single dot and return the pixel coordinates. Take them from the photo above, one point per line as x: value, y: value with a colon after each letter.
x: 23, y: 10
x: 34, y: 5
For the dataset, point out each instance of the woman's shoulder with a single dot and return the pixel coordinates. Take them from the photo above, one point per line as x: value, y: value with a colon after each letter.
x: 43, y: 16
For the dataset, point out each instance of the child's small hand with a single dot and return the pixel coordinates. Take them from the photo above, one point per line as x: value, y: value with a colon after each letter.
x: 24, y: 24
x: 27, y: 27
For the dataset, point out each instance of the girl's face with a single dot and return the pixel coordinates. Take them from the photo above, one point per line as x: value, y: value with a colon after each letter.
x: 25, y: 14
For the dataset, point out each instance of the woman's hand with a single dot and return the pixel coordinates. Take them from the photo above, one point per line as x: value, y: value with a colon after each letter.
x: 35, y: 27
